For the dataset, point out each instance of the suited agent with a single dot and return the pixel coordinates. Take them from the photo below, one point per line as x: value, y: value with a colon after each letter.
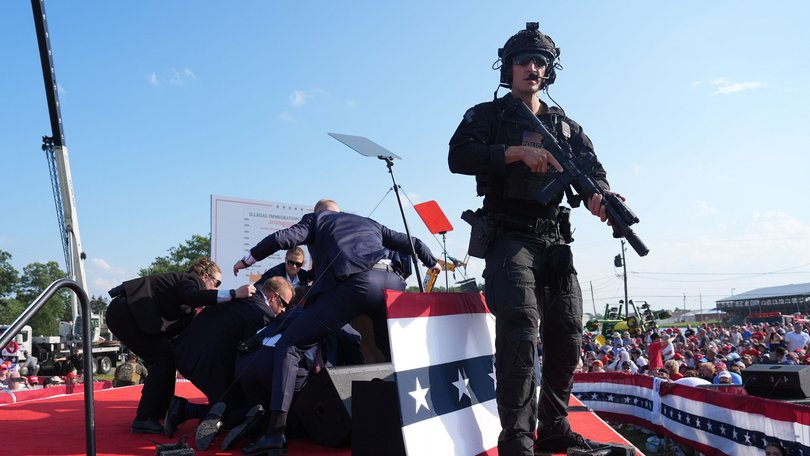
x: 291, y: 269
x: 346, y: 248
x: 205, y: 354
x: 148, y: 312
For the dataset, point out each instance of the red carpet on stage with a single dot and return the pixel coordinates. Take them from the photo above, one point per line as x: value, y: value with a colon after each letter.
x: 55, y: 426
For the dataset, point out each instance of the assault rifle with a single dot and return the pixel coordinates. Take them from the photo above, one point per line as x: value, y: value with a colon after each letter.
x: 619, y: 215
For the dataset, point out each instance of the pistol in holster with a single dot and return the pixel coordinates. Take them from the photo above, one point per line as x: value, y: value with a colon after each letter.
x: 481, y: 234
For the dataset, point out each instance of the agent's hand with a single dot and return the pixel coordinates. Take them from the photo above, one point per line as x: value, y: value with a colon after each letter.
x: 239, y: 265
x: 536, y: 159
x: 245, y: 291
x: 437, y: 268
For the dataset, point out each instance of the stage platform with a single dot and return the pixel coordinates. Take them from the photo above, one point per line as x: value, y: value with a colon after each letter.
x: 55, y: 426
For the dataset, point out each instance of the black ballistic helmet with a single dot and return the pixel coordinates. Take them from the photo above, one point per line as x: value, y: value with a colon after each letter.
x: 530, y: 40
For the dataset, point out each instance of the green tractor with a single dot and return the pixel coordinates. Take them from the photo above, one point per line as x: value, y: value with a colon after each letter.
x: 631, y: 318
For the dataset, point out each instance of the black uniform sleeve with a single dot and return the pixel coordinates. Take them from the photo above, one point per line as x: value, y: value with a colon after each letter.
x: 470, y: 149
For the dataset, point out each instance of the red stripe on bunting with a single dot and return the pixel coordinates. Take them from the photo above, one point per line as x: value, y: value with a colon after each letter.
x: 630, y: 419
x: 770, y: 408
x: 412, y: 305
x: 734, y: 401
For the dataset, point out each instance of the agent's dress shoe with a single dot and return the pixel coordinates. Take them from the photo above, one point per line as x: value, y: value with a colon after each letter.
x: 209, y: 426
x: 146, y: 426
x: 273, y: 445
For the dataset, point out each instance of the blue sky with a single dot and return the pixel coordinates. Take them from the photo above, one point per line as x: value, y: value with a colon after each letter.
x: 698, y: 110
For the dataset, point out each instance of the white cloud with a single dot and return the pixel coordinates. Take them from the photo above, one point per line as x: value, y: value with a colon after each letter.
x: 286, y: 117
x: 101, y: 276
x: 298, y: 98
x: 726, y: 86
x: 301, y: 97
x: 352, y: 103
x: 60, y: 89
x: 704, y: 208
x: 181, y: 77
x: 173, y: 76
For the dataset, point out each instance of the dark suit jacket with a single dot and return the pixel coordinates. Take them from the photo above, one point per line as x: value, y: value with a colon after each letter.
x: 170, y: 296
x: 205, y: 352
x: 279, y: 271
x: 344, y: 243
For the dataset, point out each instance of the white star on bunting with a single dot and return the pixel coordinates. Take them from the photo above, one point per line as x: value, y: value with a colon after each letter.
x: 461, y: 385
x: 420, y: 395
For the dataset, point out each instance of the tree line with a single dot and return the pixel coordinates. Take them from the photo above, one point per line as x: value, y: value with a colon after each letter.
x: 18, y: 289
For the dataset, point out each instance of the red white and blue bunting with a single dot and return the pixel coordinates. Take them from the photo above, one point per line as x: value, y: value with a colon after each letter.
x: 714, y: 422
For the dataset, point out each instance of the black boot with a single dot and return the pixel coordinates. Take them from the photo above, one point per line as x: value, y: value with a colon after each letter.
x: 558, y: 437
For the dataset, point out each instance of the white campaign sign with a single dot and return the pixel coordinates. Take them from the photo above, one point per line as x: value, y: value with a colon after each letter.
x: 238, y: 224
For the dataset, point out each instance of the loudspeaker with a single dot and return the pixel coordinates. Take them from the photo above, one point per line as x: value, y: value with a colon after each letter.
x: 376, y: 424
x: 777, y: 381
x: 324, y: 405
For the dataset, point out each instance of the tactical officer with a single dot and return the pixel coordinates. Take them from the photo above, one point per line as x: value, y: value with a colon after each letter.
x: 529, y: 273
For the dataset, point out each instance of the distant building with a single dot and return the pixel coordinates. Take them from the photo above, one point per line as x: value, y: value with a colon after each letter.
x: 787, y: 299
x: 697, y: 316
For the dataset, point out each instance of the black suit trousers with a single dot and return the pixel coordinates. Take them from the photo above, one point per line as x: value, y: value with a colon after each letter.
x: 360, y: 293
x: 156, y: 353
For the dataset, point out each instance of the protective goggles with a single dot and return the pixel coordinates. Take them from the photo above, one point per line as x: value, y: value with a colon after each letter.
x: 539, y: 60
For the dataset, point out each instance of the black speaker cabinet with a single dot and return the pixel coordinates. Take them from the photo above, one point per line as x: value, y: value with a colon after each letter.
x: 324, y: 406
x: 376, y: 424
x: 777, y: 381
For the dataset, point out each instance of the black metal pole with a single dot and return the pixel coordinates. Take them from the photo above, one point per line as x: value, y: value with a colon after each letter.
x: 446, y: 271
x: 626, y: 301
x: 390, y: 163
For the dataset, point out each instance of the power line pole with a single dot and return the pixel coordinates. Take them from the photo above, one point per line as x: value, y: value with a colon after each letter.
x: 619, y: 261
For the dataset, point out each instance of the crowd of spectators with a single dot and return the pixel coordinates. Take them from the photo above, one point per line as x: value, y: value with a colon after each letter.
x: 19, y: 371
x: 701, y: 354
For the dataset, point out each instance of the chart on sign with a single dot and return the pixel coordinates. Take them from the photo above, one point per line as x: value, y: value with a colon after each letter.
x: 237, y: 224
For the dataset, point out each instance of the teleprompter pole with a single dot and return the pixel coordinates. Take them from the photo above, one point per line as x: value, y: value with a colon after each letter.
x: 389, y: 161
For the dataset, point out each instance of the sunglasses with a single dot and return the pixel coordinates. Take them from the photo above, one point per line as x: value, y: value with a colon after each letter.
x: 283, y: 302
x: 217, y: 283
x: 297, y: 264
x: 524, y: 59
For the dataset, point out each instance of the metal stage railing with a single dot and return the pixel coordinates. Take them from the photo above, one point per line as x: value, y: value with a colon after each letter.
x: 87, y: 358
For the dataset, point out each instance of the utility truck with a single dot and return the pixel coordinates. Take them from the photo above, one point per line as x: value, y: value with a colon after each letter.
x: 56, y: 353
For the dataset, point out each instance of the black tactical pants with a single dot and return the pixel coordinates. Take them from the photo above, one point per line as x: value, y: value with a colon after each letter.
x: 531, y: 279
